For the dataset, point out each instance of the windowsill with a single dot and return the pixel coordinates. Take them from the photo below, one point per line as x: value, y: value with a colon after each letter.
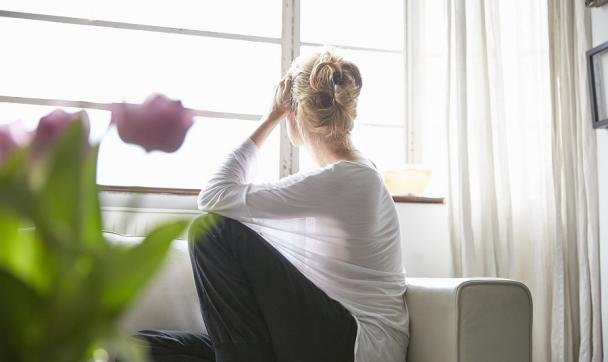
x: 193, y: 192
x: 149, y: 190
x: 418, y: 199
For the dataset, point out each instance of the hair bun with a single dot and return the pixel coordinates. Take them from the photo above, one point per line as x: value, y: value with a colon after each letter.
x: 324, y: 94
x: 325, y: 71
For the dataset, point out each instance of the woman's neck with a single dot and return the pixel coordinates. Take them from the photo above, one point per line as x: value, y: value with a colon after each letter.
x: 325, y: 154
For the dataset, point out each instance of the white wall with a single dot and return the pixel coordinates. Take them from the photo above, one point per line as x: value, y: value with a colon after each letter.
x: 424, y: 233
x: 600, y: 35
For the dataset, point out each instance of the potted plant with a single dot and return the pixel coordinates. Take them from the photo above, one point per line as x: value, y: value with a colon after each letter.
x: 63, y: 286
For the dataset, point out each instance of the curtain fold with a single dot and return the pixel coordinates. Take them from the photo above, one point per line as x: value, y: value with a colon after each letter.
x: 504, y: 84
x: 576, y: 298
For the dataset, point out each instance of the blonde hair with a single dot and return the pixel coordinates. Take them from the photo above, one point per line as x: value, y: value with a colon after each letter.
x: 325, y: 89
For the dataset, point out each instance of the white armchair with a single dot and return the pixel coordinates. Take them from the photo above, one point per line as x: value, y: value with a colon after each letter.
x: 469, y: 320
x: 451, y: 320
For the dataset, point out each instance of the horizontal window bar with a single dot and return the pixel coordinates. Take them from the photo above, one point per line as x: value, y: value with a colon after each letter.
x: 107, y: 107
x: 171, y: 30
x: 349, y: 47
x: 132, y: 26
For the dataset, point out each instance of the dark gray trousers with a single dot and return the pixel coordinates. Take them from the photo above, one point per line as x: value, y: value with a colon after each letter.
x: 256, y: 305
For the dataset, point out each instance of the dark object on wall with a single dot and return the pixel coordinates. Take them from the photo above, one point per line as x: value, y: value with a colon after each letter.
x: 597, y: 68
x: 595, y: 3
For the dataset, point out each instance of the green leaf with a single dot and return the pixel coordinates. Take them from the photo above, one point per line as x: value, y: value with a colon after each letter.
x: 21, y: 312
x: 10, y: 242
x: 13, y: 170
x: 89, y: 204
x: 19, y: 199
x: 62, y: 187
x: 23, y: 254
x: 128, y: 269
x: 76, y: 318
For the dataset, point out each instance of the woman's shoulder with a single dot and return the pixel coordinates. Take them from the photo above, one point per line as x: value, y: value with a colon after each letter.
x: 359, y: 165
x: 355, y: 175
x: 358, y: 170
x: 359, y: 160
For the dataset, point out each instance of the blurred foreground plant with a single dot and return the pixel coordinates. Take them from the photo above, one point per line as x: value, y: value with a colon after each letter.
x: 63, y: 286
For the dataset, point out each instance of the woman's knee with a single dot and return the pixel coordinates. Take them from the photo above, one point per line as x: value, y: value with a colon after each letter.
x: 202, y: 229
x: 211, y: 230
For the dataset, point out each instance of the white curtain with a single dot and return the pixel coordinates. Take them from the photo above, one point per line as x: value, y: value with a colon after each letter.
x: 498, y: 88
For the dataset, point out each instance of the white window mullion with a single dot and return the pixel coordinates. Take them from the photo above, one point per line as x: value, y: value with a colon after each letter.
x: 290, y: 49
x: 409, y: 131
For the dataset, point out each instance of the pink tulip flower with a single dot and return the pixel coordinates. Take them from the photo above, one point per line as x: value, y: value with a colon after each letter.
x: 158, y: 124
x: 52, y: 126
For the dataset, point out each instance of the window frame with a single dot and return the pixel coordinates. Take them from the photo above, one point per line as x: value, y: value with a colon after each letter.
x: 290, y: 48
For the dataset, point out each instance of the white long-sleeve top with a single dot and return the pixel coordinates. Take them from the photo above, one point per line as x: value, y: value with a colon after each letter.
x: 338, y: 226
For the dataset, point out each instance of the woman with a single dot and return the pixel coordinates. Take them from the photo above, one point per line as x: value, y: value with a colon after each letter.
x: 307, y: 268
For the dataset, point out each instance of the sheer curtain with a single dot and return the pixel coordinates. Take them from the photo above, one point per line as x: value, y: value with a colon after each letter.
x: 497, y: 89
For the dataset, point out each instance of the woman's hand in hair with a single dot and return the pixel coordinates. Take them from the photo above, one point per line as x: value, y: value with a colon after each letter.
x: 281, y: 105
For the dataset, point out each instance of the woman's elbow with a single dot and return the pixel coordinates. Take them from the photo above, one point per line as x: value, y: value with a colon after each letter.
x: 204, y: 201
x: 212, y: 198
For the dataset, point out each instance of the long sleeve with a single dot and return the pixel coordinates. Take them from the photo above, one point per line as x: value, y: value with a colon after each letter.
x: 225, y: 191
x: 230, y: 193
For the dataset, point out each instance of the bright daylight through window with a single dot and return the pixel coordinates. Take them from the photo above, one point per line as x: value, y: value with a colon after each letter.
x: 219, y: 57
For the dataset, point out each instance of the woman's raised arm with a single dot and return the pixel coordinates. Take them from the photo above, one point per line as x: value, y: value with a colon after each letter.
x: 279, y: 109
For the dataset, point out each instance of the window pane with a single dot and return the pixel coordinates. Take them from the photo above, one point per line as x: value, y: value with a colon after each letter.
x: 226, y: 16
x: 385, y: 146
x: 376, y: 24
x: 77, y: 62
x: 382, y: 98
x: 429, y: 119
x: 206, y: 145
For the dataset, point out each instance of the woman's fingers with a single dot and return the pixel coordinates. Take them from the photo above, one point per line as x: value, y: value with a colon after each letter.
x: 284, y: 88
x: 282, y: 95
x: 286, y: 85
x: 285, y: 81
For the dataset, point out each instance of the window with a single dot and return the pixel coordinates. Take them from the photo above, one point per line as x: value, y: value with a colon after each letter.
x: 220, y: 57
x: 371, y: 35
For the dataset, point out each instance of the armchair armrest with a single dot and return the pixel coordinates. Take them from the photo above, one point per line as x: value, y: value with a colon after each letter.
x: 469, y: 320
